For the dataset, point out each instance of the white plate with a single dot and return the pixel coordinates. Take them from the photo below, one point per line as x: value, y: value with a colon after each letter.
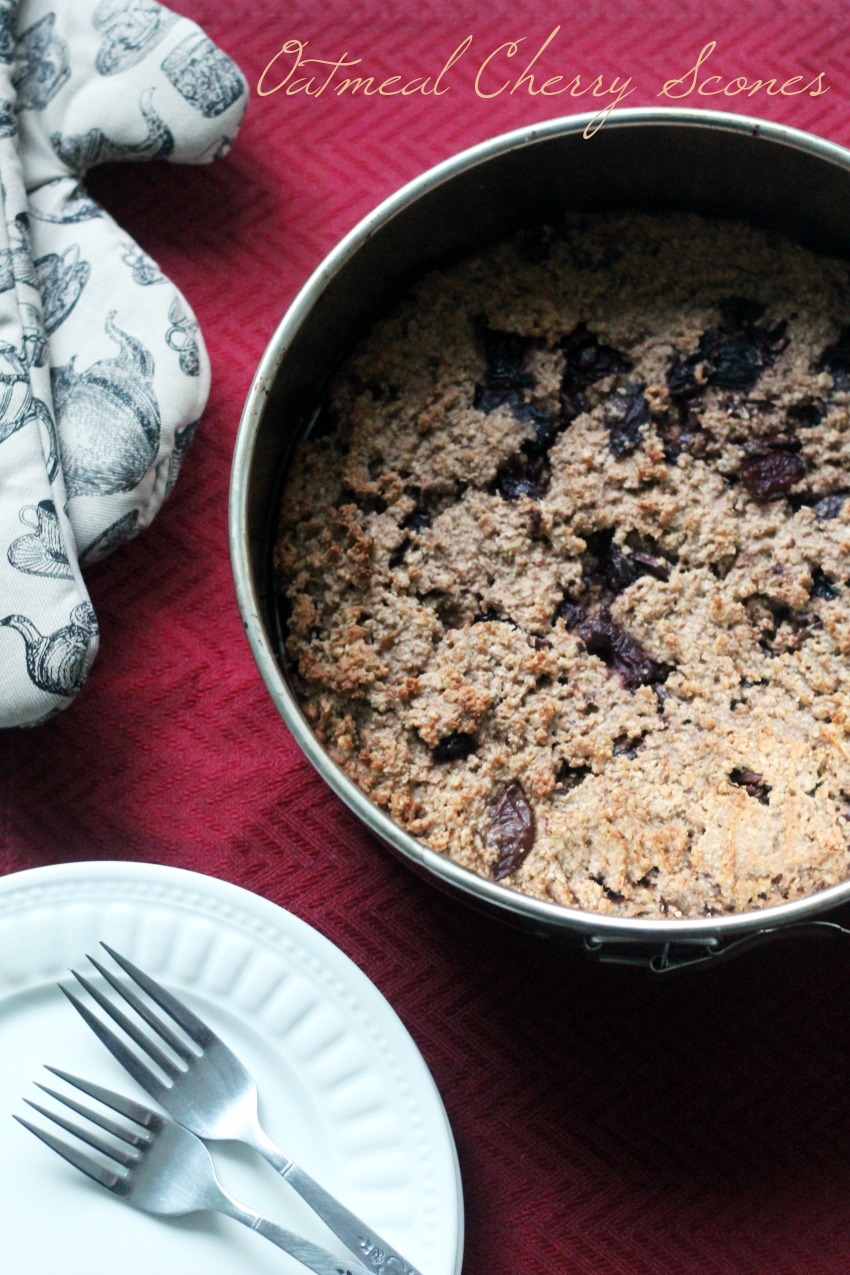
x: 343, y: 1088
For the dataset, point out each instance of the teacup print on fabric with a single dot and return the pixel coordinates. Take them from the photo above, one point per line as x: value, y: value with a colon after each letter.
x: 40, y: 552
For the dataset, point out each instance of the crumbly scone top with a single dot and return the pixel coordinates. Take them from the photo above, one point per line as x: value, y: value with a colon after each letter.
x: 567, y: 566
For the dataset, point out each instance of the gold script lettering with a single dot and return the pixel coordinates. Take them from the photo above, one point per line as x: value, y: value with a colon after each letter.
x: 670, y: 85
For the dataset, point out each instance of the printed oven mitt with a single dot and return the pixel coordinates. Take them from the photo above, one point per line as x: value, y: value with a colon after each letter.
x: 103, y: 371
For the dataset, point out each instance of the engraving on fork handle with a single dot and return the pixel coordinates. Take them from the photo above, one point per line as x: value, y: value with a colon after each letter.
x: 372, y: 1251
x: 358, y: 1238
x: 314, y: 1258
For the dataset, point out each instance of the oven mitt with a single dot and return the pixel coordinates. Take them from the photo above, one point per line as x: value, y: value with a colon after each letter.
x: 84, y: 308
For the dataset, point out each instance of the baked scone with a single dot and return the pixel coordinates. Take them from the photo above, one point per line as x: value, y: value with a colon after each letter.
x: 566, y: 566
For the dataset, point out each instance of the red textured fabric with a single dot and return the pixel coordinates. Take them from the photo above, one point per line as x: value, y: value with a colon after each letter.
x: 607, y: 1123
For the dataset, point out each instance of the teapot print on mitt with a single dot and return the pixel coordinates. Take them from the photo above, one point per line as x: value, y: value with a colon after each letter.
x: 103, y: 370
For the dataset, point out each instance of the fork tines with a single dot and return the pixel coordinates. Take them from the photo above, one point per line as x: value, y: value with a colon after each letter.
x: 194, y: 1029
x: 137, y: 1138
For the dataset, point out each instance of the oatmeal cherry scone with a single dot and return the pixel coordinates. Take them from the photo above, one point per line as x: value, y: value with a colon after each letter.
x: 567, y: 566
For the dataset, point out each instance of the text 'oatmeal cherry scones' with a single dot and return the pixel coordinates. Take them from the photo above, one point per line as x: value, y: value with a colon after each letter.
x: 566, y: 564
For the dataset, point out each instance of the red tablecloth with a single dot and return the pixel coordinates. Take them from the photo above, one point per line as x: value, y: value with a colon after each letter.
x: 605, y: 1121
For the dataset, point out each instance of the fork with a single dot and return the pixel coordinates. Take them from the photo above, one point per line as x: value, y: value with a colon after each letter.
x: 213, y: 1095
x: 167, y: 1169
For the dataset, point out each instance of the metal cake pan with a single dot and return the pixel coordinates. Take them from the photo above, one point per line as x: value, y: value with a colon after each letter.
x: 653, y: 159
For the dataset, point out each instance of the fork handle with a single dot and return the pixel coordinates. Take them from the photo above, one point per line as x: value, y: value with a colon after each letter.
x: 358, y: 1238
x: 316, y: 1259
x: 379, y: 1257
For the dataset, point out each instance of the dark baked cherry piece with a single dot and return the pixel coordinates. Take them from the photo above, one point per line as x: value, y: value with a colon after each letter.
x: 588, y: 360
x: 681, y: 379
x: 585, y: 360
x: 822, y: 586
x: 513, y: 488
x: 733, y: 355
x: 737, y: 362
x: 767, y: 443
x: 829, y: 507
x: 648, y: 564
x: 607, y: 565
x: 738, y: 351
x: 626, y: 413
x: 510, y: 830
x: 546, y: 428
x: 752, y: 782
x: 773, y: 467
x: 619, y: 569
x: 420, y: 515
x: 487, y: 398
x: 680, y: 429
x: 526, y: 472
x: 504, y: 353
x: 504, y: 380
x: 618, y: 650
x: 454, y: 747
